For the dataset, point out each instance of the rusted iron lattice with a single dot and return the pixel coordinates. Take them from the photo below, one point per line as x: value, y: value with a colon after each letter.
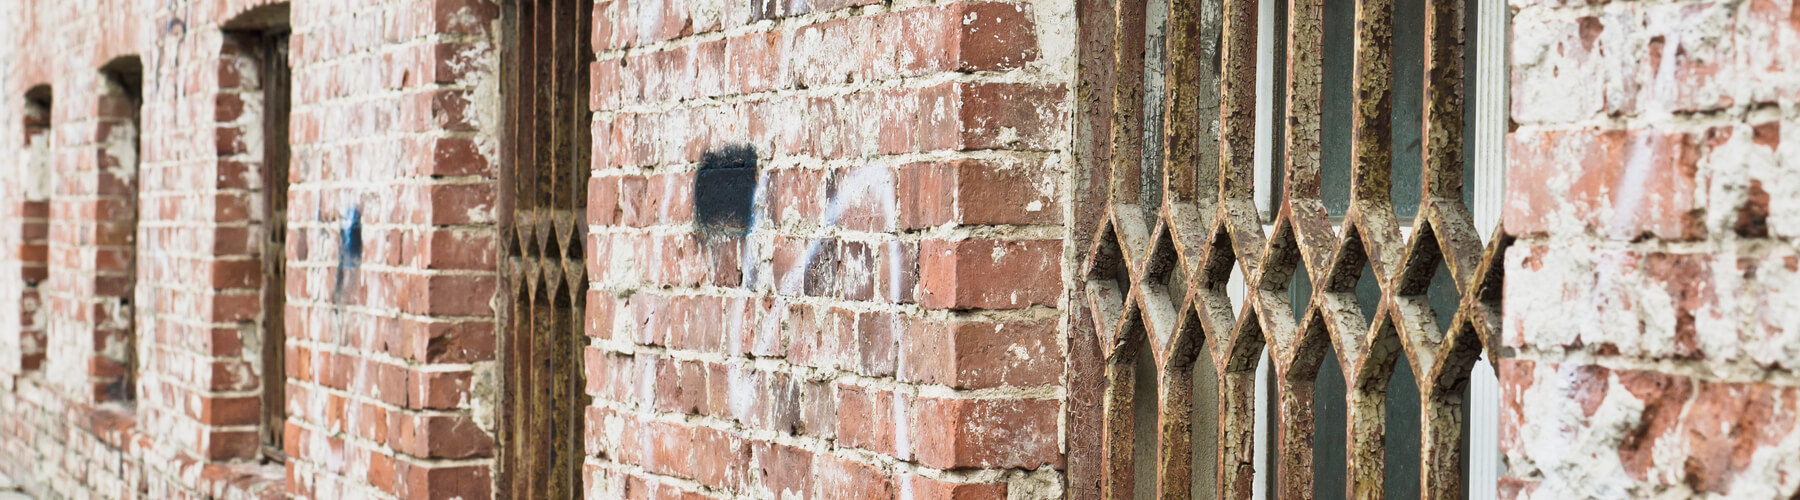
x: 1156, y: 275
x: 544, y: 192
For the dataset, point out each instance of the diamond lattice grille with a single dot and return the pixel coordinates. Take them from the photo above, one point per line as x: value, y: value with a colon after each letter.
x: 544, y: 199
x: 1372, y: 291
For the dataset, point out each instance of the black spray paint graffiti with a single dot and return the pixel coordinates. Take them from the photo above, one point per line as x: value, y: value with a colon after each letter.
x: 724, y: 190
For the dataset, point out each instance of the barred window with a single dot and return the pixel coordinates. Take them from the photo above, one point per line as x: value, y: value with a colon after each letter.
x: 34, y: 181
x: 1293, y: 227
x: 260, y: 37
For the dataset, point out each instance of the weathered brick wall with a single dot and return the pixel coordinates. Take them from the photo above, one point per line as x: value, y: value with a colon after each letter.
x: 890, y: 324
x: 387, y: 321
x: 895, y: 322
x: 391, y: 248
x: 1650, y: 300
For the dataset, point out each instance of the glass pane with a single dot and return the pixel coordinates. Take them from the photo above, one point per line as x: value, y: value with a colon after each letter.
x: 1144, y: 419
x: 1329, y: 428
x: 1338, y: 62
x: 1408, y: 112
x: 1402, y: 434
x: 1268, y: 422
x: 1204, y: 427
x: 1271, y: 105
x: 1471, y: 14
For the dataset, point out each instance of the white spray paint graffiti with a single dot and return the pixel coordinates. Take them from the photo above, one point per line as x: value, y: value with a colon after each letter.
x: 858, y: 184
x: 1640, y: 156
x: 1640, y: 159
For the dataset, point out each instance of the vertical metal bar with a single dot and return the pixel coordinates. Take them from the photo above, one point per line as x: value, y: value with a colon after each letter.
x: 1443, y: 124
x: 1192, y: 101
x: 1237, y: 425
x: 1305, y: 93
x: 1116, y: 482
x: 1371, y: 122
x: 1237, y: 102
x: 1175, y: 465
x: 1128, y: 101
x: 1294, y: 437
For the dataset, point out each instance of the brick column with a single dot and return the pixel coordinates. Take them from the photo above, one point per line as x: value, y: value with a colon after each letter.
x: 885, y: 310
x: 1650, y: 297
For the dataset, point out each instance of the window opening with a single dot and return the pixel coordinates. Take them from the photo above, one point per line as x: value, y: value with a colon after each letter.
x: 1338, y: 65
x: 35, y: 181
x: 1331, y: 56
x: 1408, y: 109
x: 120, y: 108
x: 277, y: 79
x: 261, y: 37
x: 1271, y: 105
x: 1330, y: 438
x: 1401, y: 435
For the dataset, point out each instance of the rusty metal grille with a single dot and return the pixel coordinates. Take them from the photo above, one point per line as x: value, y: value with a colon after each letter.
x: 277, y: 80
x: 544, y: 199
x: 1347, y: 292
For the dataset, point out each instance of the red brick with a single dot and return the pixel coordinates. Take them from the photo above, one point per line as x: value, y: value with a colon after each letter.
x: 975, y: 192
x: 989, y: 274
x: 841, y: 479
x: 987, y: 433
x: 866, y: 418
x: 783, y: 471
x: 1592, y: 168
x: 981, y: 354
x: 924, y: 488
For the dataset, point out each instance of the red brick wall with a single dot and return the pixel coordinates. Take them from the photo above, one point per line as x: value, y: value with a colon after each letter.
x: 890, y: 324
x: 896, y: 321
x: 389, y: 123
x: 1649, y: 302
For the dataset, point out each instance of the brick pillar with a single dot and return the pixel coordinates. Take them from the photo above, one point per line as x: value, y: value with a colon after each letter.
x: 1649, y: 300
x: 882, y: 307
x: 392, y: 249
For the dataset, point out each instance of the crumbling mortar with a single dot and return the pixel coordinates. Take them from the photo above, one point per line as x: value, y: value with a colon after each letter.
x: 825, y: 446
x: 1699, y: 370
x: 1016, y: 76
x: 779, y: 364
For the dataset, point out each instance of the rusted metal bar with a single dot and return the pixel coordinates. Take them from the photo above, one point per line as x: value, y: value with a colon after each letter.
x: 1237, y: 101
x: 1175, y: 462
x: 1128, y: 103
x: 1116, y: 470
x: 1442, y: 148
x: 1193, y: 100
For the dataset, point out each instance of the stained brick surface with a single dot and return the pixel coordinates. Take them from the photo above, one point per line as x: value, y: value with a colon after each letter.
x: 1649, y: 304
x: 382, y: 350
x: 888, y: 326
x: 902, y: 318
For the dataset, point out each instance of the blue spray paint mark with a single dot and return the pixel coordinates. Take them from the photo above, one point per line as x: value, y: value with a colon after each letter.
x: 350, y: 245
